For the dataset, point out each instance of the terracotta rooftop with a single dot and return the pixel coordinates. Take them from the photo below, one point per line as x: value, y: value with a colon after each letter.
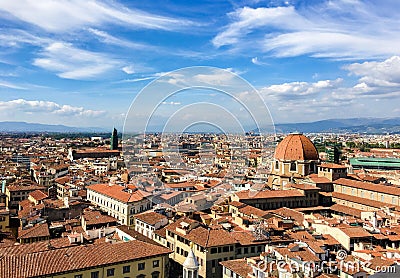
x: 118, y: 192
x: 269, y: 194
x: 76, y: 258
x: 355, y: 232
x: 359, y: 200
x: 13, y: 188
x: 151, y: 217
x: 39, y: 230
x: 303, y: 186
x: 369, y: 186
x: 332, y: 166
x: 96, y: 218
x: 346, y: 210
x: 239, y: 266
x: 38, y: 195
x: 296, y: 147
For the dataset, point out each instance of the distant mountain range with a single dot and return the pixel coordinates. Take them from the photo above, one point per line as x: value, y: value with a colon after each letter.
x: 353, y: 125
x: 35, y: 127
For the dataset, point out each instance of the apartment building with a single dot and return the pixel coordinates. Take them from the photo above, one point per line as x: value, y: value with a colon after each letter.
x: 121, y: 202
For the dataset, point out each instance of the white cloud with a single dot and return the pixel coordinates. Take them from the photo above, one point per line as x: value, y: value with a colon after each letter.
x: 331, y: 29
x: 109, y: 39
x: 62, y: 15
x: 296, y: 89
x: 257, y: 62
x: 128, y: 69
x: 9, y: 85
x: 246, y: 19
x: 45, y: 107
x: 382, y: 74
x: 73, y: 63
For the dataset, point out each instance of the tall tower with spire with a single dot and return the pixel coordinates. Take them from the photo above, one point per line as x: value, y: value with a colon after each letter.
x: 114, y: 140
x: 191, y: 266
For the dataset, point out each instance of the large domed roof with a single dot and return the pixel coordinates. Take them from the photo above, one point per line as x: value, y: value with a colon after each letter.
x: 296, y: 147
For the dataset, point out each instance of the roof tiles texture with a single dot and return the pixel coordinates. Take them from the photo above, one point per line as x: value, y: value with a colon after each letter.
x: 76, y: 258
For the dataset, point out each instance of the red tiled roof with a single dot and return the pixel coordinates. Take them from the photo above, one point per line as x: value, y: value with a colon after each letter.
x: 118, y: 192
x: 77, y: 258
x: 358, y: 200
x: 296, y: 147
x: 248, y: 194
x: 38, y: 195
x: 346, y: 210
x: 332, y: 166
x: 150, y: 218
x: 96, y: 218
x: 369, y: 186
x: 39, y: 230
x: 239, y: 266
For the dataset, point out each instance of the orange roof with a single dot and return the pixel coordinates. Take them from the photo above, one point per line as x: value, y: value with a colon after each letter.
x: 359, y: 200
x: 247, y: 194
x: 38, y: 195
x: 151, y: 218
x: 296, y: 147
x: 78, y: 258
x: 332, y: 166
x: 119, y: 192
x: 40, y: 230
x: 369, y: 186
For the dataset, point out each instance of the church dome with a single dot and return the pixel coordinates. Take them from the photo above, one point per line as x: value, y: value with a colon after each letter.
x: 296, y: 147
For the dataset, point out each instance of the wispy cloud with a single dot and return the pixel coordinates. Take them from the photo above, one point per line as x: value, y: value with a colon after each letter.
x: 110, y: 39
x: 62, y: 15
x: 331, y: 29
x: 74, y: 63
x: 9, y: 85
x: 39, y: 106
x: 257, y: 62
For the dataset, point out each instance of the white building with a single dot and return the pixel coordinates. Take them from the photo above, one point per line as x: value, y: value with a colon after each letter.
x: 121, y: 202
x: 146, y: 223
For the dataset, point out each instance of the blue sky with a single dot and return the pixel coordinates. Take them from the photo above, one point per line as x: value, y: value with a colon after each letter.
x: 82, y: 63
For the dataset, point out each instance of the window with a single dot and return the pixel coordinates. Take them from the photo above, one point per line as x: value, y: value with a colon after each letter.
x: 78, y: 276
x: 214, y: 250
x: 277, y: 165
x: 94, y: 274
x: 156, y: 263
x: 141, y: 276
x: 110, y: 272
x: 141, y: 266
x: 126, y: 269
x: 293, y: 166
x: 155, y: 274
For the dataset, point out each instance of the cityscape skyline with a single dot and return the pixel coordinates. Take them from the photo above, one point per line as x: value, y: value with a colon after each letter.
x: 309, y: 60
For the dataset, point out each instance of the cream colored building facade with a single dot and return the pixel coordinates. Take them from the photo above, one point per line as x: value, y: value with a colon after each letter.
x: 118, y: 201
